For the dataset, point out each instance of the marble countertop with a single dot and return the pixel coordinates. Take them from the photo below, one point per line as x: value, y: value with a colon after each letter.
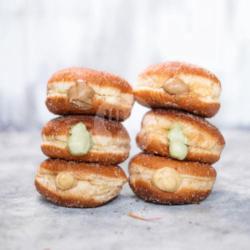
x: 29, y: 222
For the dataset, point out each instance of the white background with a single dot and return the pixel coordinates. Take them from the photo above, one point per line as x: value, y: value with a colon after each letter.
x: 121, y: 36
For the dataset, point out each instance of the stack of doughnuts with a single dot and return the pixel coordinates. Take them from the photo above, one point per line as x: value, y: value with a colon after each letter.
x: 87, y: 141
x: 178, y: 144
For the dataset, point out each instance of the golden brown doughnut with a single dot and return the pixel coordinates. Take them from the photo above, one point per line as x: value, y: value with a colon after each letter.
x: 203, y: 141
x: 165, y: 181
x: 79, y: 184
x: 181, y: 86
x: 110, y: 142
x: 87, y: 91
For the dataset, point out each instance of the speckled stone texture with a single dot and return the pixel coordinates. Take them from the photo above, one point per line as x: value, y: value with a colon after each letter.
x: 29, y: 222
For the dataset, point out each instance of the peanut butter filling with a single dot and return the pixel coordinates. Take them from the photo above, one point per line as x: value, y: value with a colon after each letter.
x: 81, y: 95
x: 175, y: 86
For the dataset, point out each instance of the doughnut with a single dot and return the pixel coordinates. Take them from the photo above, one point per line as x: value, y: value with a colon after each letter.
x: 181, y: 86
x: 91, y: 92
x: 78, y: 184
x: 165, y: 181
x: 179, y: 135
x: 86, y: 138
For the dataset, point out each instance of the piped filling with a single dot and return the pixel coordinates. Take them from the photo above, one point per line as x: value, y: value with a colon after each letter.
x: 81, y: 95
x: 178, y: 148
x: 79, y: 141
x: 65, y: 181
x: 167, y: 179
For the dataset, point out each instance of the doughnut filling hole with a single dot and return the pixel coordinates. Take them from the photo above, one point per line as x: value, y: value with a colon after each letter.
x: 65, y: 181
x: 79, y: 140
x: 178, y: 148
x: 175, y: 86
x: 166, y: 179
x: 81, y: 95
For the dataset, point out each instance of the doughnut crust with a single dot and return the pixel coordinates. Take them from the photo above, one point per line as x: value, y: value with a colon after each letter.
x: 111, y: 142
x: 200, y: 95
x: 204, y: 141
x: 93, y: 184
x: 98, y: 93
x: 195, y: 180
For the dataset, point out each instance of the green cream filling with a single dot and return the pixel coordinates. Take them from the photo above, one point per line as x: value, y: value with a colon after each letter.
x: 178, y: 148
x: 79, y: 140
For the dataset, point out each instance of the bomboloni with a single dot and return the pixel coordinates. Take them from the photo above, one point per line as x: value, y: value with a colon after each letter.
x: 165, y: 181
x: 180, y: 135
x: 181, y: 86
x: 79, y: 184
x: 86, y: 138
x: 91, y: 92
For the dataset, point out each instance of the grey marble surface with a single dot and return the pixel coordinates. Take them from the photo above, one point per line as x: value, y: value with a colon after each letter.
x: 29, y: 222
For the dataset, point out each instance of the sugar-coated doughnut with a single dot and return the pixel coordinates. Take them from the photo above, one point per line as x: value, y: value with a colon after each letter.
x: 165, y: 181
x: 87, y: 91
x: 86, y: 138
x: 179, y: 85
x: 78, y: 184
x: 180, y: 136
